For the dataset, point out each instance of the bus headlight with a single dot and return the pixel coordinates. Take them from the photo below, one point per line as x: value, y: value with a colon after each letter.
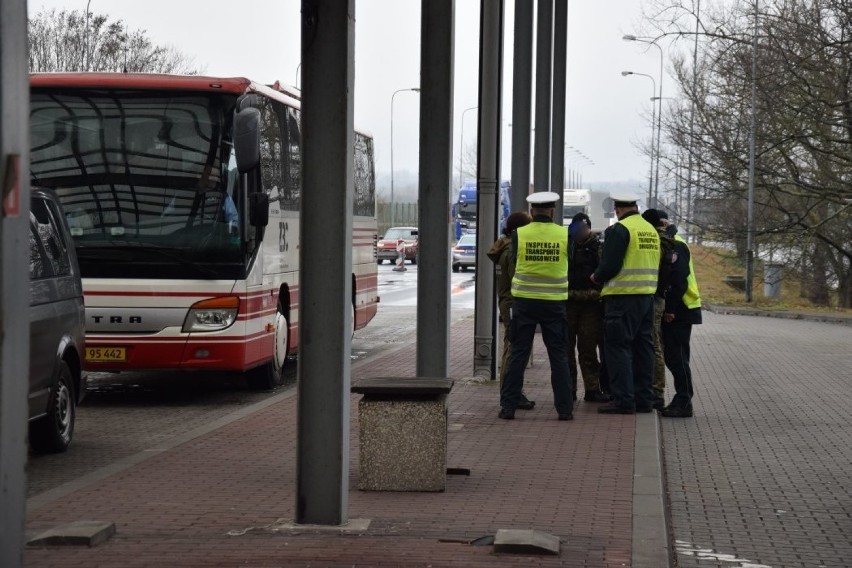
x: 214, y: 314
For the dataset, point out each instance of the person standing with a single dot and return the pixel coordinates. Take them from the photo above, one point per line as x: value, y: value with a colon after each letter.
x: 655, y: 218
x: 628, y: 273
x: 540, y: 289
x: 502, y: 254
x: 683, y: 310
x: 584, y: 309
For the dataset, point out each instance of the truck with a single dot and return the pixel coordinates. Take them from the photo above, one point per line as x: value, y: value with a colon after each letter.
x: 464, y: 207
x: 597, y: 204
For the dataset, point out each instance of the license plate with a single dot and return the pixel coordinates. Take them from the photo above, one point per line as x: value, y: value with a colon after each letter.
x: 106, y: 354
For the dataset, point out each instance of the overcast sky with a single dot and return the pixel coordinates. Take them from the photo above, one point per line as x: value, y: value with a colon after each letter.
x: 259, y: 39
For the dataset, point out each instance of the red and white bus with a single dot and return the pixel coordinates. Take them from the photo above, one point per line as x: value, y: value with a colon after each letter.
x: 185, y: 220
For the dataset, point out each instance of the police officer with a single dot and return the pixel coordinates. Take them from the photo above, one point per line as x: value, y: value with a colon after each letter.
x: 628, y: 272
x: 540, y: 288
x: 683, y: 310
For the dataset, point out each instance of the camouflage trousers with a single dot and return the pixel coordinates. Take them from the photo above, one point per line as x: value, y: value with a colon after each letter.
x: 585, y: 321
x: 659, y: 361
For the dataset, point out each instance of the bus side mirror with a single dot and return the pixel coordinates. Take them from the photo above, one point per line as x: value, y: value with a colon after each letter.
x: 247, y: 139
x: 259, y: 209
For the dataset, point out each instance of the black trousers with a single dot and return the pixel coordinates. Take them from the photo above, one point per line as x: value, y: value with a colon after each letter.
x: 676, y: 336
x: 550, y: 315
x: 629, y: 339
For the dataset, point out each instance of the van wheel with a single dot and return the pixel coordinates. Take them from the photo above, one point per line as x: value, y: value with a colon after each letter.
x: 271, y: 374
x: 455, y: 268
x: 52, y: 433
x: 379, y: 261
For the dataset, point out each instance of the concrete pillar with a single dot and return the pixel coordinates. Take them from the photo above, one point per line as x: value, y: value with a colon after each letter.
x: 543, y: 84
x: 325, y: 281
x: 14, y: 279
x: 436, y: 177
x: 522, y: 104
x: 560, y: 70
x: 488, y: 181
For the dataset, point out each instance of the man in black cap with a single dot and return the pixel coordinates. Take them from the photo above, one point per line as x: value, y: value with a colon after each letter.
x: 585, y: 312
x: 656, y: 218
x: 628, y: 272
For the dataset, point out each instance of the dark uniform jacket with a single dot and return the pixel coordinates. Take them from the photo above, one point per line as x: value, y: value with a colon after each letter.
x: 677, y: 288
x: 583, y: 259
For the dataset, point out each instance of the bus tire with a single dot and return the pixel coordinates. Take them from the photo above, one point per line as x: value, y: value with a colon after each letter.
x: 270, y: 375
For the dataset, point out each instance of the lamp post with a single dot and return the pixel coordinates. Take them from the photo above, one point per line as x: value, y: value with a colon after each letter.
x: 461, y: 144
x: 751, y: 158
x: 416, y: 90
x: 653, y: 117
x: 659, y: 111
x: 86, y: 58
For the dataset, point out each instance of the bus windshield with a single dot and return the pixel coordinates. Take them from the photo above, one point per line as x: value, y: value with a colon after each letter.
x: 147, y: 179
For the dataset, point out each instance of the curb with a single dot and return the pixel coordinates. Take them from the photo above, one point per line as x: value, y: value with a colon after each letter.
x: 820, y: 318
x: 650, y: 532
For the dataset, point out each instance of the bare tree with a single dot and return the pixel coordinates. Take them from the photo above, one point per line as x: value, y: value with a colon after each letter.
x: 65, y: 41
x: 803, y: 182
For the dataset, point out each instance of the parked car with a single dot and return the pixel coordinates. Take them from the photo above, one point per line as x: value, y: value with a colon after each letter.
x: 386, y: 248
x: 57, y: 319
x: 464, y: 253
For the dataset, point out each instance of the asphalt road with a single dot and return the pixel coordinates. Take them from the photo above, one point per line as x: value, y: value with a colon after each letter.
x: 124, y: 414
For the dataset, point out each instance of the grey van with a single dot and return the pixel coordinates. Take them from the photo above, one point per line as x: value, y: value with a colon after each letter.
x: 57, y: 318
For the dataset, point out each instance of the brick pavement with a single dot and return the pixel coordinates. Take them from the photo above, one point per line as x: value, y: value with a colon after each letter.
x: 762, y: 476
x: 207, y: 501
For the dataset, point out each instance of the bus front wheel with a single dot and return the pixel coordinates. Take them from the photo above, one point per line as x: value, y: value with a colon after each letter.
x: 271, y: 374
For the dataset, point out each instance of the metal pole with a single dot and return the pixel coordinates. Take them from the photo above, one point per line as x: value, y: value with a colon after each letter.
x: 461, y: 145
x: 751, y: 158
x: 659, y: 131
x: 14, y: 279
x: 436, y: 174
x: 488, y: 181
x: 560, y: 63
x: 522, y: 104
x: 688, y: 205
x: 86, y: 57
x: 543, y: 92
x: 325, y: 279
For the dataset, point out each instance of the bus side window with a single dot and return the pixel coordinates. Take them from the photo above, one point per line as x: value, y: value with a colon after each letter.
x: 364, y: 198
x: 271, y: 151
x: 293, y: 159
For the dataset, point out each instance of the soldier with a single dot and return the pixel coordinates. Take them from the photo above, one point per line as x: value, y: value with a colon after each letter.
x: 683, y: 310
x: 628, y: 273
x: 585, y: 313
x: 540, y: 288
x: 655, y: 218
x: 502, y: 255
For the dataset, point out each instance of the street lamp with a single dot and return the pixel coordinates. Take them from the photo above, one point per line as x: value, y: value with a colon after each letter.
x: 416, y: 90
x: 659, y: 112
x: 653, y: 116
x: 461, y: 144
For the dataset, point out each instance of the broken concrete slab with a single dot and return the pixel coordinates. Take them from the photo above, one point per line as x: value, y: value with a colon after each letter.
x: 517, y: 541
x: 77, y: 533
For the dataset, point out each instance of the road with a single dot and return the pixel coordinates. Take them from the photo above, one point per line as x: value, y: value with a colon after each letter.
x: 124, y: 414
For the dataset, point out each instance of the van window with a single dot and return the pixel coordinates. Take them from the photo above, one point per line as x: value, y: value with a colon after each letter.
x: 45, y: 223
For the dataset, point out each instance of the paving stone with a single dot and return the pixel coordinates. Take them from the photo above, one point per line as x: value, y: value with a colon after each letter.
x: 76, y: 533
x: 520, y: 541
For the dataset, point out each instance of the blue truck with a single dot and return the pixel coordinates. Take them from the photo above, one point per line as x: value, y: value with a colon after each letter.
x: 464, y: 207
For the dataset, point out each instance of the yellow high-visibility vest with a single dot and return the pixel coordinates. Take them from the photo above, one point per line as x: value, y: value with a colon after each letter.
x: 692, y: 299
x: 541, y: 270
x: 639, y: 272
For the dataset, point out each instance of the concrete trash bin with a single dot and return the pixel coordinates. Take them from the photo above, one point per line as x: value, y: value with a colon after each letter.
x: 403, y: 433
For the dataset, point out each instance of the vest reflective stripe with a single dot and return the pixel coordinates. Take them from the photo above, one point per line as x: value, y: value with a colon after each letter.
x: 691, y: 298
x: 541, y: 271
x: 640, y: 269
